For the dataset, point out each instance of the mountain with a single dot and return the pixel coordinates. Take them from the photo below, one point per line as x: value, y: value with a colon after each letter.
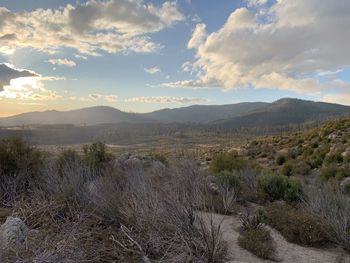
x: 87, y: 116
x: 204, y: 113
x: 250, y: 114
x: 285, y: 112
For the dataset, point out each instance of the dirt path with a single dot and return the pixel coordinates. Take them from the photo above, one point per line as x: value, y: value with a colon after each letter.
x: 286, y: 252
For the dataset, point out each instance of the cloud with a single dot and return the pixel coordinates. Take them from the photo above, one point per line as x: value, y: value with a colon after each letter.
x: 166, y: 99
x: 95, y: 96
x: 79, y: 56
x: 152, y: 71
x: 62, y: 62
x: 330, y: 72
x: 340, y: 98
x: 111, y: 98
x: 283, y: 46
x: 8, y: 72
x: 198, y: 36
x: 110, y: 26
x: 24, y: 84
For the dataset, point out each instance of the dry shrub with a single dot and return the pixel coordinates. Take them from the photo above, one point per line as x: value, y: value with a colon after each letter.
x: 255, y: 238
x: 297, y: 225
x: 259, y: 242
x: 129, y: 213
x: 329, y: 203
x: 158, y: 219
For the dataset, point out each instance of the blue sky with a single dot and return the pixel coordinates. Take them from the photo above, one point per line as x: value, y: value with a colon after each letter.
x: 171, y: 53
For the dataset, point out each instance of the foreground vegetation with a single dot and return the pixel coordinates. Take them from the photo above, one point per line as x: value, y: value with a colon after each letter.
x: 95, y: 208
x: 92, y: 206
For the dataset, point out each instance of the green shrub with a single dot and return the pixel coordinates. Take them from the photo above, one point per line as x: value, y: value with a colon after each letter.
x: 302, y: 168
x: 315, y: 161
x: 281, y: 159
x: 287, y: 169
x: 272, y: 187
x: 297, y: 226
x: 276, y: 187
x: 259, y: 242
x: 96, y: 154
x: 229, y: 179
x: 334, y: 158
x: 294, y: 191
x: 161, y: 157
x: 20, y: 164
x: 329, y: 172
x: 227, y: 161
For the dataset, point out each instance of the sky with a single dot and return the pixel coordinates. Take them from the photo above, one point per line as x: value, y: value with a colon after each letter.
x: 144, y: 55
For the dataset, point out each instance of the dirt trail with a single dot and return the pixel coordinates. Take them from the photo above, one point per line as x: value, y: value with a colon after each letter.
x: 286, y: 252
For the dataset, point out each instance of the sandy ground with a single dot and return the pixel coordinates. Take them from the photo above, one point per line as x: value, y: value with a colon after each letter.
x: 286, y: 252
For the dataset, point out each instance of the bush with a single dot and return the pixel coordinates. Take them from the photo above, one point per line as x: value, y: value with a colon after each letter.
x: 334, y: 158
x: 19, y: 166
x: 161, y: 157
x: 96, y: 154
x: 228, y: 179
x: 294, y: 191
x: 287, y: 169
x: 66, y: 158
x: 276, y: 187
x: 302, y: 168
x: 227, y: 161
x: 328, y: 202
x: 298, y: 226
x: 259, y: 242
x: 329, y: 172
x: 281, y: 159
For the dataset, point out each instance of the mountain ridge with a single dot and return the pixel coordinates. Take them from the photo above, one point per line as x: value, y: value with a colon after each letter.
x: 245, y: 114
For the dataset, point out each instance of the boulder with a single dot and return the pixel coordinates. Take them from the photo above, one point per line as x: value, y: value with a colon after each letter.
x: 13, y: 233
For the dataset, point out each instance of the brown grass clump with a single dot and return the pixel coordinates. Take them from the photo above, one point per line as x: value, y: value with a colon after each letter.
x: 259, y: 242
x: 297, y: 225
x: 255, y: 238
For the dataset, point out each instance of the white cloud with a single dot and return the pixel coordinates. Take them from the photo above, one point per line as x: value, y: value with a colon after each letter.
x: 198, y: 36
x: 340, y: 98
x: 79, y: 56
x: 111, y: 98
x: 62, y: 62
x: 166, y: 99
x: 273, y: 47
x: 330, y: 72
x: 111, y: 26
x: 152, y: 71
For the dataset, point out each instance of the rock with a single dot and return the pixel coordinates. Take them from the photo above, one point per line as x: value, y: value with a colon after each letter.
x: 346, y: 153
x: 13, y: 233
x: 345, y: 183
x: 332, y: 136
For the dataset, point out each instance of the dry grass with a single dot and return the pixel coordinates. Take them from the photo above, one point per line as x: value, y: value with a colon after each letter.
x: 123, y: 213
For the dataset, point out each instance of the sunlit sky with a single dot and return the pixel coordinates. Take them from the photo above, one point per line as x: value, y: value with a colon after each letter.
x: 140, y: 55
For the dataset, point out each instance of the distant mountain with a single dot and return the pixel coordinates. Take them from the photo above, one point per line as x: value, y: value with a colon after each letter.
x: 87, y: 116
x: 250, y: 114
x: 204, y: 113
x: 285, y: 112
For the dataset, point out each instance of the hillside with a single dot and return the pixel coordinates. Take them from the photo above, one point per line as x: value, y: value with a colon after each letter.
x: 323, y: 152
x: 205, y: 113
x: 286, y: 112
x: 283, y: 112
x: 86, y: 116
